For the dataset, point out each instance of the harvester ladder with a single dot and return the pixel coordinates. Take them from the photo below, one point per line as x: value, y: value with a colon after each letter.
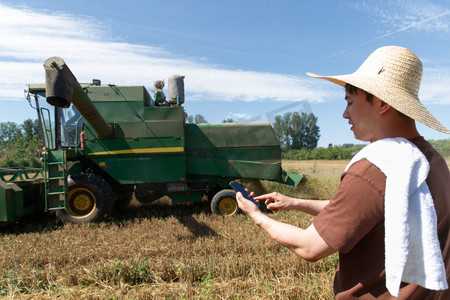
x: 55, y: 173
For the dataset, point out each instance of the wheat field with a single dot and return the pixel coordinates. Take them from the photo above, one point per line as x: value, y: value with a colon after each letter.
x: 167, y: 251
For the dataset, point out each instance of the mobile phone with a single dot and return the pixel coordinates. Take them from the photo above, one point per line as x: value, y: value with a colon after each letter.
x: 239, y: 188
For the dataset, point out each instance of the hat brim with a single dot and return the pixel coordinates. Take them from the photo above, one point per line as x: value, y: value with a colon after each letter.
x: 401, y: 101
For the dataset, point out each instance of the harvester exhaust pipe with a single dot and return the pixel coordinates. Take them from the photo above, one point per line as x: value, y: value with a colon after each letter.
x: 62, y: 89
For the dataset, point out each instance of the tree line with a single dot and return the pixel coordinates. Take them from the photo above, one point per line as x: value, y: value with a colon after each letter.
x: 20, y: 145
x: 294, y: 130
x: 297, y: 131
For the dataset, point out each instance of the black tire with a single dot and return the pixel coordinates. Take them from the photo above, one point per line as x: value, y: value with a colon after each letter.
x: 124, y: 193
x: 224, y: 203
x: 89, y: 199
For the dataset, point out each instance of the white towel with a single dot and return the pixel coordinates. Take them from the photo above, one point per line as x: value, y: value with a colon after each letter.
x: 412, y: 251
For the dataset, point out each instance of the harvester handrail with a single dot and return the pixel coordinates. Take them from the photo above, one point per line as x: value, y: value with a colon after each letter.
x: 21, y: 173
x: 47, y: 127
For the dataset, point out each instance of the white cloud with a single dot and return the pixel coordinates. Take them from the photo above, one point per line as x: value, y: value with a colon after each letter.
x: 239, y: 116
x: 30, y: 37
x: 435, y: 88
x: 420, y: 15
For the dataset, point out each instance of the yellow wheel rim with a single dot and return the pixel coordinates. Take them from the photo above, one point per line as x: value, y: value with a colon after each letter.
x: 228, y: 206
x: 81, y: 202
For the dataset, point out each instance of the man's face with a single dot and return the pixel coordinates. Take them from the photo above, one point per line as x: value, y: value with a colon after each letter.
x: 361, y: 115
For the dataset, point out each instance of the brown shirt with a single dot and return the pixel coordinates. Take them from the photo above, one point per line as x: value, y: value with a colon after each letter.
x: 353, y: 224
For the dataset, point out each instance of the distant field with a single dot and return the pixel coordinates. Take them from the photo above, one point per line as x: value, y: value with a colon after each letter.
x: 323, y: 176
x: 322, y: 167
x: 331, y: 168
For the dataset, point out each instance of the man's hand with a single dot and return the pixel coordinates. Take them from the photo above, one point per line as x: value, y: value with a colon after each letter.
x: 245, y: 205
x: 305, y: 243
x: 276, y: 201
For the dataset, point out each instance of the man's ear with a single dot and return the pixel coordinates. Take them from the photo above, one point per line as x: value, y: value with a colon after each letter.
x: 382, y: 106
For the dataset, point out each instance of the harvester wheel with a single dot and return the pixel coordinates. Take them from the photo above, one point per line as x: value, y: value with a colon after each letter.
x: 224, y: 203
x: 89, y: 199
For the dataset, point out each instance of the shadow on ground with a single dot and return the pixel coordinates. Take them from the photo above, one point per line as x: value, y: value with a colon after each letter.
x: 163, y: 208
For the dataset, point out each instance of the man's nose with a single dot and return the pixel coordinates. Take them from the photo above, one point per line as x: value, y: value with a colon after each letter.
x: 345, y: 115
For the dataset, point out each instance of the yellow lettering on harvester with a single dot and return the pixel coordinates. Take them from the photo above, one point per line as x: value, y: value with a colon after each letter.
x: 140, y: 151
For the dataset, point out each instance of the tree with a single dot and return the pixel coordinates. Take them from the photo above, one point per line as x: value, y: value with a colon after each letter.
x: 197, y: 119
x: 30, y: 129
x: 9, y: 132
x: 297, y: 131
x: 20, y: 144
x: 229, y: 120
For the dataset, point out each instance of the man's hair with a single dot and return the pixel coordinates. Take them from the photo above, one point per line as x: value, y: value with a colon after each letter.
x: 353, y: 90
x: 369, y: 97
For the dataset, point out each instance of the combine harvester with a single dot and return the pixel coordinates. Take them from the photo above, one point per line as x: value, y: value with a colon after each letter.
x: 104, y: 143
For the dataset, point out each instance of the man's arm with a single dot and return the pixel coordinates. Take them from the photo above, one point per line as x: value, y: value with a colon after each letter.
x: 307, y: 244
x: 277, y: 202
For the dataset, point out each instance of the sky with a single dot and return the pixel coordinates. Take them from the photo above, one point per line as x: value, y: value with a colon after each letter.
x: 246, y: 60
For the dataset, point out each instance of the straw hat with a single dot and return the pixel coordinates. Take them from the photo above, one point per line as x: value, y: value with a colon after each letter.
x: 392, y: 74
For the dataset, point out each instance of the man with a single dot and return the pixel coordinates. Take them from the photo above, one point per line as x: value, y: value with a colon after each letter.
x: 160, y: 98
x: 382, y: 106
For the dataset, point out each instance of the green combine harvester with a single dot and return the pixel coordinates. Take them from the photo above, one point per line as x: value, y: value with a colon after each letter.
x: 104, y: 143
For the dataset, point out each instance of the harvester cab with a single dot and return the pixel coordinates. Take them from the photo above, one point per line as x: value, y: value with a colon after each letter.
x: 105, y: 144
x: 60, y: 127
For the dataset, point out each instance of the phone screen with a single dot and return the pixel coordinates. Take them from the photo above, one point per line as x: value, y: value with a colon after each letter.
x: 239, y: 188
